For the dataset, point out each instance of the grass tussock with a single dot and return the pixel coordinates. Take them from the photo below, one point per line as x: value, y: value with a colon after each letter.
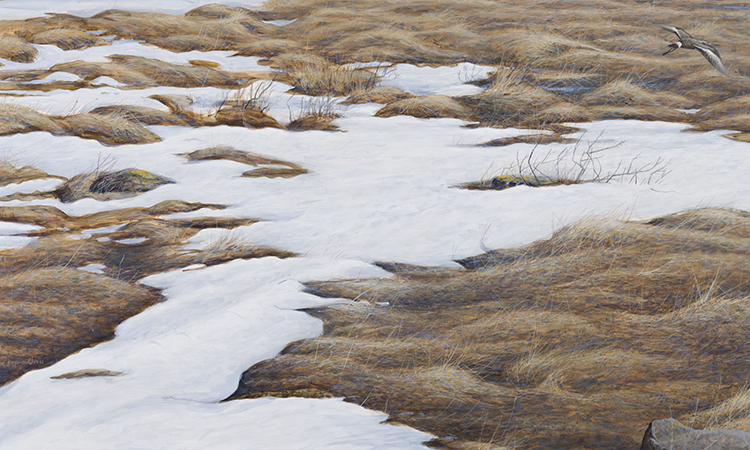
x: 67, y: 38
x: 108, y: 129
x: 12, y: 173
x: 378, y: 94
x: 613, y: 323
x: 53, y: 305
x: 316, y: 113
x: 426, y: 107
x: 17, y: 50
x: 314, y: 75
x: 603, y: 57
x: 270, y: 166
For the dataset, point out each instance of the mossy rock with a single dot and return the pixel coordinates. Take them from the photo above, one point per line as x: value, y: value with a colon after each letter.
x: 507, y: 181
x: 127, y: 180
x: 108, y: 185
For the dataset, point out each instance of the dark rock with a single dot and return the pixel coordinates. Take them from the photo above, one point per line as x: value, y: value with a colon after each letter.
x: 669, y: 434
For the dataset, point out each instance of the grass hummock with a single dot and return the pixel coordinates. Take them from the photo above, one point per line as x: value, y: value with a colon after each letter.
x: 610, y: 323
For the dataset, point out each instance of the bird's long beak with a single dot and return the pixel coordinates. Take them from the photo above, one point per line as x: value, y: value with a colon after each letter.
x: 672, y: 47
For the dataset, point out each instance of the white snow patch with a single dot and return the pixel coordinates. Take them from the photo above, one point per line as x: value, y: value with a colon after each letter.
x: 280, y: 23
x: 56, y: 76
x: 132, y: 241
x: 384, y: 190
x: 109, y: 81
x: 93, y: 268
x: 442, y: 80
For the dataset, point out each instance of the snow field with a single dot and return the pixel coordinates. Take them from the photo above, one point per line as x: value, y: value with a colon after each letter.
x: 380, y: 191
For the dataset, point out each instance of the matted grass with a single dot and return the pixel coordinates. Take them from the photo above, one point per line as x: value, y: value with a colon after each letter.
x: 578, y: 341
x: 50, y: 309
x: 269, y: 165
x: 13, y: 173
x: 604, y: 55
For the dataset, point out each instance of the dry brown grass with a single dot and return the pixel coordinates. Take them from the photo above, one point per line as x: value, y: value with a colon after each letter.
x: 238, y: 109
x: 538, y: 138
x: 67, y: 38
x: 139, y: 72
x: 108, y: 129
x: 49, y: 313
x: 13, y: 173
x: 17, y: 50
x: 563, y: 53
x: 378, y: 94
x: 51, y: 309
x: 288, y: 169
x: 578, y: 341
x: 313, y: 75
x: 316, y: 113
x: 429, y: 106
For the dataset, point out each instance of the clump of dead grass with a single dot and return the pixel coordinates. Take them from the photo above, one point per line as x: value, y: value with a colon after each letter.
x: 241, y: 107
x: 313, y: 75
x: 613, y: 323
x: 378, y: 94
x: 315, y: 113
x: 13, y: 173
x: 269, y: 165
x: 426, y: 107
x: 67, y: 38
x: 108, y: 129
x: 51, y: 309
x: 17, y: 50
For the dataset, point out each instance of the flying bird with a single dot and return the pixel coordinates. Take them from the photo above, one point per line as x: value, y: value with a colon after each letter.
x: 707, y: 49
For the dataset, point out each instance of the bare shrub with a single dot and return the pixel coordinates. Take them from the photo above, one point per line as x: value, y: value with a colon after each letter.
x: 315, y: 113
x: 572, y: 165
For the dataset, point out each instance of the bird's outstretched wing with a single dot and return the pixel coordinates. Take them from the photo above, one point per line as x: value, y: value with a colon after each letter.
x: 682, y: 34
x: 712, y: 55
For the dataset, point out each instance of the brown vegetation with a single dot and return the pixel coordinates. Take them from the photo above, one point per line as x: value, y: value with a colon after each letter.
x: 51, y: 309
x: 12, y: 173
x: 430, y: 106
x: 137, y: 72
x: 378, y: 94
x: 603, y: 57
x: 578, y: 341
x: 108, y: 129
x: 287, y: 170
x: 542, y: 139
